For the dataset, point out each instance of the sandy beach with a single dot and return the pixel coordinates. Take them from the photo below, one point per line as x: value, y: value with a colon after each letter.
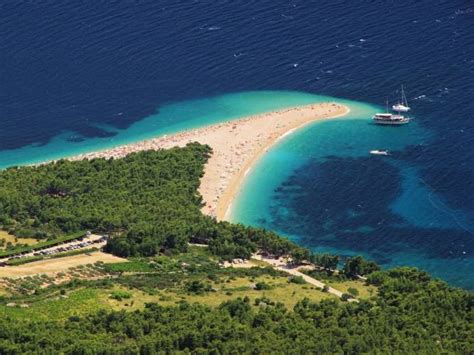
x: 236, y: 145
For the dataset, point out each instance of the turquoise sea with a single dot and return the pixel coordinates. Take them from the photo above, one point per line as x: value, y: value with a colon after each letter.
x: 170, y: 118
x: 320, y: 187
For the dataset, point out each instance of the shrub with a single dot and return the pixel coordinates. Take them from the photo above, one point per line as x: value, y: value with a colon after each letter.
x: 197, y: 287
x: 299, y: 280
x: 346, y: 297
x: 353, y: 291
x: 264, y: 300
x: 120, y: 295
x: 260, y: 286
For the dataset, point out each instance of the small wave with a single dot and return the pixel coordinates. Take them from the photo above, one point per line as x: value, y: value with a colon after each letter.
x: 362, y: 40
x: 443, y: 91
x: 423, y: 98
x: 463, y: 12
x: 209, y: 28
x: 288, y: 17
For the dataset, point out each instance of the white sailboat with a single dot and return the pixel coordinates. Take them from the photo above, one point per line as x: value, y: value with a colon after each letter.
x: 402, y: 106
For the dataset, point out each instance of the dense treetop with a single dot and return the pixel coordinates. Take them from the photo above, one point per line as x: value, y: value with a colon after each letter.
x: 149, y: 203
x: 412, y: 314
x: 148, y: 200
x: 104, y: 194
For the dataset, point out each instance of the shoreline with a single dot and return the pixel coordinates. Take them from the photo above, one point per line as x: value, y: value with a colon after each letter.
x: 237, y: 145
x: 226, y: 203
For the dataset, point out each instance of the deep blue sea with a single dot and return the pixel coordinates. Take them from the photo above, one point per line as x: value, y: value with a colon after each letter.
x: 77, y: 76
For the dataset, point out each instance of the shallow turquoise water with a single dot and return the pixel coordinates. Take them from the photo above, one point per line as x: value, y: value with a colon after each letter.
x: 318, y: 186
x: 350, y: 136
x: 321, y: 188
x: 169, y: 118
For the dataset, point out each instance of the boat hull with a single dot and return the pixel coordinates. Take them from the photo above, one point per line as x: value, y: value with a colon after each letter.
x: 391, y: 122
x: 379, y: 152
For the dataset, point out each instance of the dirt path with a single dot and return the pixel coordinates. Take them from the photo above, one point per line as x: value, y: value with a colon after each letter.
x: 282, y: 266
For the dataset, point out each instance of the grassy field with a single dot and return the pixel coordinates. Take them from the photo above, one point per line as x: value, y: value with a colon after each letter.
x: 164, y: 280
x: 281, y: 291
x: 83, y: 301
x: 11, y: 238
x: 364, y: 290
x: 51, y: 266
x: 79, y: 302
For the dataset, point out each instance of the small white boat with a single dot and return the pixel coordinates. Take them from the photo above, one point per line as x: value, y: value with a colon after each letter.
x: 379, y: 152
x: 402, y: 106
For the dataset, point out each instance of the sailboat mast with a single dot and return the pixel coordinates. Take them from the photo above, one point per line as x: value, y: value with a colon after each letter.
x: 404, y: 98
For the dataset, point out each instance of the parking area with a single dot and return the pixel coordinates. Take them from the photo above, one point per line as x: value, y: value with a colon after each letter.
x: 87, y: 241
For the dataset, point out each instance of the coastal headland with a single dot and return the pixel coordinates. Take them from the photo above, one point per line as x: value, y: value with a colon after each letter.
x: 236, y: 145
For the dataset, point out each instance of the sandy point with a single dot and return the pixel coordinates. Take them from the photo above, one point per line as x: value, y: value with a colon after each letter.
x: 264, y: 132
x: 236, y: 145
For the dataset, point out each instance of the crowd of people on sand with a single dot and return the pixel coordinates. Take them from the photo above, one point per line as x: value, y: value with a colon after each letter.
x: 229, y: 157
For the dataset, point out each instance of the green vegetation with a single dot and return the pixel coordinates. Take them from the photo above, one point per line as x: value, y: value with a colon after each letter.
x: 46, y: 244
x: 171, y: 297
x: 299, y: 280
x: 132, y: 266
x: 353, y: 291
x: 193, y: 277
x: 9, y: 241
x: 358, y: 266
x: 30, y: 259
x: 197, y: 287
x: 326, y: 261
x: 260, y: 286
x: 351, y: 285
x: 411, y: 314
x: 148, y: 201
x: 120, y: 295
